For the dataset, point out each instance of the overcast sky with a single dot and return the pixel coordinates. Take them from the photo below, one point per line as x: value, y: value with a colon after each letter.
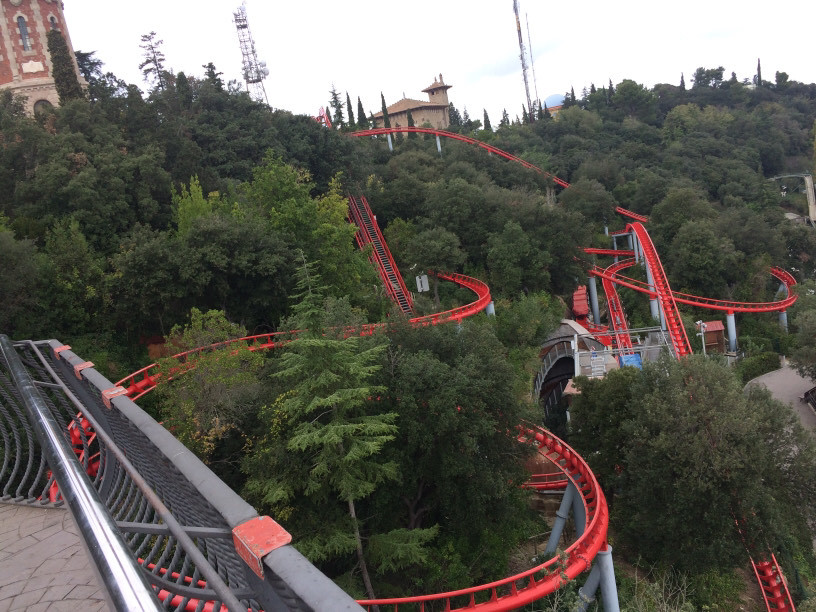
x: 365, y: 47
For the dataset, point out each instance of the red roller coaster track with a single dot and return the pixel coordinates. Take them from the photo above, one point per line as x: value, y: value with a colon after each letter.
x: 467, y: 139
x: 537, y: 582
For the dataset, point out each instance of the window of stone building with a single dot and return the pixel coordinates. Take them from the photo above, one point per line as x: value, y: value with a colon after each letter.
x: 24, y: 38
x: 53, y: 21
x: 40, y: 106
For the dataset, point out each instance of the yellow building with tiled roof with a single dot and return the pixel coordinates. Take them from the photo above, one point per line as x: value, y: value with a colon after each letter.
x: 434, y: 112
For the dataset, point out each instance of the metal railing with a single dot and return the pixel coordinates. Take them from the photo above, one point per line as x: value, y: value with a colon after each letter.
x: 179, y: 522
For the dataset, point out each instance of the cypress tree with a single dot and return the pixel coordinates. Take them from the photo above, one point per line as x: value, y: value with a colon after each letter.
x: 65, y: 78
x: 386, y: 120
x: 411, y: 135
x: 362, y: 120
x: 348, y: 111
x: 525, y: 118
x: 682, y: 81
x: 487, y: 125
x: 505, y: 119
x: 759, y: 74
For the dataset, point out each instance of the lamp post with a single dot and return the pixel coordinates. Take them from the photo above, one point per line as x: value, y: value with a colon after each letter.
x: 702, y: 327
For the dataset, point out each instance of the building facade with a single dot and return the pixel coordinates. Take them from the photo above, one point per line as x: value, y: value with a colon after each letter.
x: 25, y: 65
x: 433, y: 112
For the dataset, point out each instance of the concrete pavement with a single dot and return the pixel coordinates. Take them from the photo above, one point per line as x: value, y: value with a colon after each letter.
x: 43, y: 565
x: 787, y: 386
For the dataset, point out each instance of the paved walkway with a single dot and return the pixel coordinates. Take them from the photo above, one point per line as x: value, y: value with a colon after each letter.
x: 43, y: 565
x: 787, y: 386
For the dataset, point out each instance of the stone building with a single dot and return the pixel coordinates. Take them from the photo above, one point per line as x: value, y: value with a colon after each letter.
x: 434, y: 112
x: 25, y: 65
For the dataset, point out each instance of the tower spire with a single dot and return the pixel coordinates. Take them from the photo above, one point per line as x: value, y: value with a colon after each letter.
x: 254, y: 71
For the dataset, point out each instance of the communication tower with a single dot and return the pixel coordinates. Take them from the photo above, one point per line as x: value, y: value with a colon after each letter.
x: 523, y: 57
x: 254, y: 71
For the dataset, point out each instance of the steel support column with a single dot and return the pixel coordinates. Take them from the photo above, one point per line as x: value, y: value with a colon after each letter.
x: 560, y: 519
x: 593, y: 300
x: 732, y: 332
x: 783, y: 320
x: 439, y: 145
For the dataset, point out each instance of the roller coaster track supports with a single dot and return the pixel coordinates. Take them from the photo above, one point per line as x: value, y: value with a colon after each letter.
x: 603, y: 575
x: 783, y: 320
x: 593, y: 300
x: 732, y: 332
x: 561, y: 515
x: 490, y: 309
x: 654, y: 306
x: 439, y: 145
x: 390, y: 144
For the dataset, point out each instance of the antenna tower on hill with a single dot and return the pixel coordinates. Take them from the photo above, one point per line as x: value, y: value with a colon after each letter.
x: 254, y: 71
x: 523, y: 56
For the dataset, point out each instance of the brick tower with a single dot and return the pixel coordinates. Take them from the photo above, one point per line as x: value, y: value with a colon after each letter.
x: 25, y: 65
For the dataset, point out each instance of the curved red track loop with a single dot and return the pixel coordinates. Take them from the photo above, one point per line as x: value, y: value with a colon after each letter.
x: 145, y: 380
x: 467, y: 139
x: 537, y: 582
x: 702, y: 302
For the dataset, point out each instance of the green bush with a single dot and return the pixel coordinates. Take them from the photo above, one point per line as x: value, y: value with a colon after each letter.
x: 757, y: 365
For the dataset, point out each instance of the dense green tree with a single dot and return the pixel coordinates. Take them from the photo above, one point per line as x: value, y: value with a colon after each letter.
x: 453, y: 116
x: 65, y: 77
x: 435, y: 249
x: 20, y: 283
x: 505, y: 119
x: 386, y: 120
x: 213, y: 393
x: 688, y: 433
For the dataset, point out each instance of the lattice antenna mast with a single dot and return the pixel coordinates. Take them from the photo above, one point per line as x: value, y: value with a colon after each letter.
x: 532, y: 62
x: 523, y: 56
x: 254, y: 71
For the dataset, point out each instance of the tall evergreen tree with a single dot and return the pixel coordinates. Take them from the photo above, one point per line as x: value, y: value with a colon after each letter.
x: 410, y: 117
x: 362, y: 120
x: 65, y: 78
x: 505, y: 119
x: 337, y: 107
x: 487, y: 125
x: 525, y: 118
x: 682, y: 81
x: 349, y: 113
x: 386, y: 120
x: 454, y: 118
x: 759, y: 74
x: 152, y: 65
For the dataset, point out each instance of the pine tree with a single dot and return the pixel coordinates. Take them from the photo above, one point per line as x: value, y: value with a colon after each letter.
x: 592, y: 88
x: 759, y: 74
x: 525, y: 118
x: 682, y: 82
x: 487, y: 125
x: 332, y: 434
x: 547, y: 114
x: 348, y: 111
x: 611, y: 89
x: 540, y: 110
x: 152, y: 65
x: 65, y: 78
x: 362, y: 120
x: 505, y: 119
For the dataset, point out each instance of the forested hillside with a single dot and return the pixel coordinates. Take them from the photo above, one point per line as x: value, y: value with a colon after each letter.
x: 197, y: 214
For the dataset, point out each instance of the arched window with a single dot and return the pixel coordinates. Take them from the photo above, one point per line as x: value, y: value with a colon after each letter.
x: 24, y: 39
x: 40, y: 106
x: 53, y: 21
